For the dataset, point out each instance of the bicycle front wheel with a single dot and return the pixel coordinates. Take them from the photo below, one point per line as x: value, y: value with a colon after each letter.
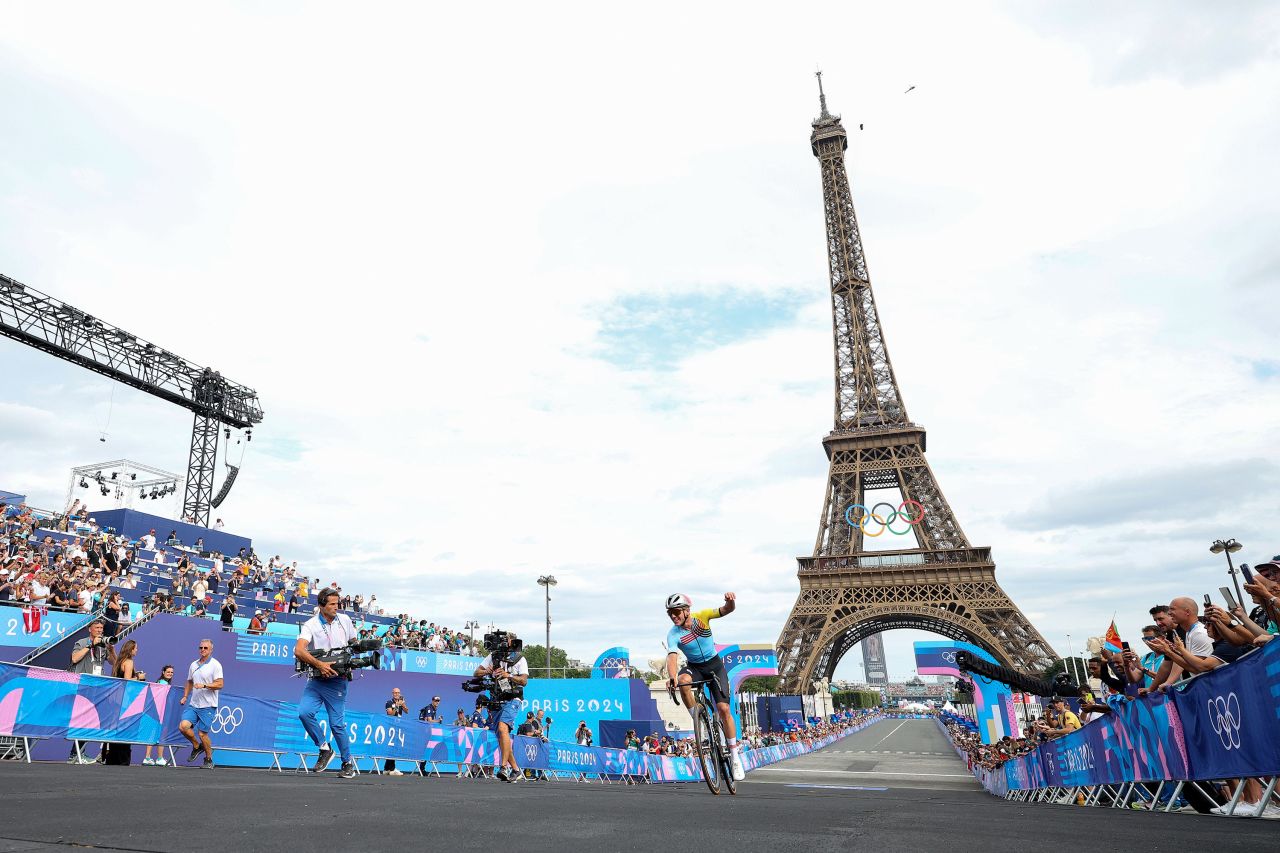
x: 725, y: 759
x: 703, y: 735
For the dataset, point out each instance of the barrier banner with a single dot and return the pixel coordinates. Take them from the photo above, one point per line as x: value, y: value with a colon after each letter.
x: 670, y: 768
x: 50, y: 703
x: 1220, y: 725
x: 1229, y: 717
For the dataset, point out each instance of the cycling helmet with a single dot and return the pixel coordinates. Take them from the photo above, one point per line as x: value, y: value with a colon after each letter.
x: 678, y: 600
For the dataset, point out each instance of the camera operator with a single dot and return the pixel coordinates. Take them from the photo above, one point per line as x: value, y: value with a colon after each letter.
x: 503, y: 719
x: 326, y: 631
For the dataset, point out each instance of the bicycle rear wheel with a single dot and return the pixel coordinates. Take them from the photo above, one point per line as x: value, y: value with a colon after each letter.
x: 703, y: 735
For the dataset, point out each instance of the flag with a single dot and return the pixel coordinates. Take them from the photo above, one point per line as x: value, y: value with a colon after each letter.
x: 32, y: 617
x: 1112, y: 641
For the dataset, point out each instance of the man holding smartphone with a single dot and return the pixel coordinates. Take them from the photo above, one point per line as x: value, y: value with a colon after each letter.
x: 1189, y: 638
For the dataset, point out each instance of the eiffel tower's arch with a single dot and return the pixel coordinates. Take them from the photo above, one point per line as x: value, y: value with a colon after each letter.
x: 850, y: 627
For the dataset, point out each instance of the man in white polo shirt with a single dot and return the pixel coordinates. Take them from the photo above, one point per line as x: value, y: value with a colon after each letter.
x: 327, y: 630
x: 1189, y: 639
x: 200, y: 696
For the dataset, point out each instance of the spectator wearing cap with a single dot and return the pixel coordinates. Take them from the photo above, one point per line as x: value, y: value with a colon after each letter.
x: 257, y: 625
x: 431, y: 713
x: 1060, y: 720
x: 1265, y: 591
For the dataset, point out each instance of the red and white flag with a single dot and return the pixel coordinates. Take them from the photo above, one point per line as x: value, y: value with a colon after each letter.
x: 32, y: 617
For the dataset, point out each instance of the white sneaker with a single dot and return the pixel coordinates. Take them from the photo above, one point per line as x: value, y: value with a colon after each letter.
x: 161, y: 762
x: 1271, y: 812
x: 148, y: 762
x: 736, y: 762
x: 394, y: 773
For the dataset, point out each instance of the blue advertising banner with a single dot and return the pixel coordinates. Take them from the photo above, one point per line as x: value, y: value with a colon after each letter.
x: 569, y: 701
x: 430, y: 663
x: 31, y: 632
x: 1229, y: 717
x: 50, y: 703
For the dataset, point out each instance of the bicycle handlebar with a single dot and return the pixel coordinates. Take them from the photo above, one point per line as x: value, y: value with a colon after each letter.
x: 671, y: 691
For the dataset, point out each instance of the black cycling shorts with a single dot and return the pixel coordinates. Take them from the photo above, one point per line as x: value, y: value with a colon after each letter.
x: 714, y: 670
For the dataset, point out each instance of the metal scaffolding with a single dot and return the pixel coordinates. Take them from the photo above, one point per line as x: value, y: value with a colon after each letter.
x: 50, y: 325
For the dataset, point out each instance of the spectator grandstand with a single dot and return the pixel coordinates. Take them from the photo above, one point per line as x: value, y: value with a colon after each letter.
x: 67, y: 562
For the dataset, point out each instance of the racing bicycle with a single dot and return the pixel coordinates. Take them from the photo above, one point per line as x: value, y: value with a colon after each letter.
x: 709, y: 739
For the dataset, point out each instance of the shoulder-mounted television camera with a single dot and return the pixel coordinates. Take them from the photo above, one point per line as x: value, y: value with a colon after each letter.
x: 358, y: 654
x: 505, y: 651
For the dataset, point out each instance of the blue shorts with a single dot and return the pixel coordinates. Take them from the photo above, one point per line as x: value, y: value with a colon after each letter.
x: 509, y: 714
x: 200, y: 718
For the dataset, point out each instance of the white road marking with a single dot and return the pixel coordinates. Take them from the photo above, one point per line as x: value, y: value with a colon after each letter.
x: 890, y: 734
x: 873, y: 773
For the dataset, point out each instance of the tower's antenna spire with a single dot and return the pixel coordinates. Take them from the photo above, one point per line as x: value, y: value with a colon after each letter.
x: 822, y: 96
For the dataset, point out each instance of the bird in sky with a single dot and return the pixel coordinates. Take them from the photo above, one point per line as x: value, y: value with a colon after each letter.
x: 908, y: 90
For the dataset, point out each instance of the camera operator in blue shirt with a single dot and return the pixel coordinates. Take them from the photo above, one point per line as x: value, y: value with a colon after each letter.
x: 511, y: 668
x: 326, y: 631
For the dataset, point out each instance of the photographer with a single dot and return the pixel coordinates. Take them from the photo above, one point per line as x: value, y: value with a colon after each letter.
x: 88, y: 657
x: 326, y: 631
x: 396, y: 707
x: 511, y: 667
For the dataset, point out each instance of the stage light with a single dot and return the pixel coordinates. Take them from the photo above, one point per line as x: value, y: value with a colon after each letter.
x: 115, y: 474
x: 84, y: 484
x: 133, y: 476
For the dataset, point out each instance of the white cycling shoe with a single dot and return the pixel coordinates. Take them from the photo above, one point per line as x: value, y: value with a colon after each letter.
x: 736, y: 762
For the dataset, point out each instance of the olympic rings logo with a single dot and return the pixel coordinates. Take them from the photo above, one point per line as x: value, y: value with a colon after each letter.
x: 226, y: 720
x: 530, y: 752
x: 1224, y: 716
x: 867, y: 516
x: 949, y: 657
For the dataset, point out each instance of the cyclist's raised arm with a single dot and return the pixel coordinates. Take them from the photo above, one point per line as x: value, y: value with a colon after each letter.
x: 730, y: 604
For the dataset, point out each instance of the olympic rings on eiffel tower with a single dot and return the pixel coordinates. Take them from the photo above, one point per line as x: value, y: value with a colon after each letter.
x: 861, y: 519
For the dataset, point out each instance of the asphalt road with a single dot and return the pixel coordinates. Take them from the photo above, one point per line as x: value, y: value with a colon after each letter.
x: 890, y: 800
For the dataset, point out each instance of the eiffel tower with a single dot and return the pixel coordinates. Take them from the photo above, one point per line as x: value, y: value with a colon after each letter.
x: 847, y: 593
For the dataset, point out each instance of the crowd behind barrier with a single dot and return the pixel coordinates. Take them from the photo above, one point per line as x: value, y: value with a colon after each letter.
x: 1189, y: 705
x: 38, y: 703
x: 1193, y: 747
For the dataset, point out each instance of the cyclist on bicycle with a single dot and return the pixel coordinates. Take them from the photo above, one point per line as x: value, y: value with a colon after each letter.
x: 691, y: 634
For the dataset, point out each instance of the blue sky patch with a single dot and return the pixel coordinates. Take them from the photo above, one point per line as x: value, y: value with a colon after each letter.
x: 657, y: 332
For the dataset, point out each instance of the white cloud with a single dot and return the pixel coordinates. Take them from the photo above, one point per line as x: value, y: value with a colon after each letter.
x: 405, y: 228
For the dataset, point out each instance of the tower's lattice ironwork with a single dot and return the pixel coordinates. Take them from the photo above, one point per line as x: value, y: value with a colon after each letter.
x: 847, y: 593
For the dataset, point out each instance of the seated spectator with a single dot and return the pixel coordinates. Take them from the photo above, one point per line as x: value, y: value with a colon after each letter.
x: 257, y: 625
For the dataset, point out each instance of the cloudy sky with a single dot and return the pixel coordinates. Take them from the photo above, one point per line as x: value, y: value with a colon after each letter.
x: 541, y: 288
